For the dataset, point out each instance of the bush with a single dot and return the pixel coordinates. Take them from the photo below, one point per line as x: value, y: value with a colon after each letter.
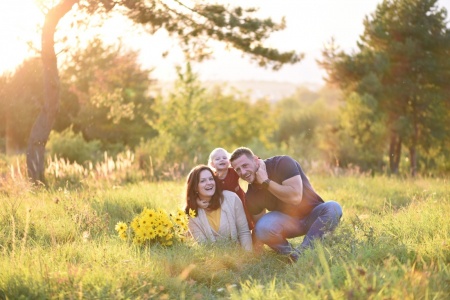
x: 159, y: 158
x: 73, y: 147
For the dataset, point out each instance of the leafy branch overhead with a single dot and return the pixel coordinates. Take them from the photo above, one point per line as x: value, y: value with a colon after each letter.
x: 194, y: 26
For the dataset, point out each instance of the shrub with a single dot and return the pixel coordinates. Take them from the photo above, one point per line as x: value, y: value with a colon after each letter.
x: 73, y: 147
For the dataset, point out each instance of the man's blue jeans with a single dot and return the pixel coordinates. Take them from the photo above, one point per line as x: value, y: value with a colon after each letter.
x: 274, y: 228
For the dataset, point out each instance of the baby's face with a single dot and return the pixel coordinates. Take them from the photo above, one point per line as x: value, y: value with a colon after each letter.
x: 220, y: 160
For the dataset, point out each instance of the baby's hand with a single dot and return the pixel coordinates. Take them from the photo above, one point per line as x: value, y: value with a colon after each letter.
x: 202, y: 203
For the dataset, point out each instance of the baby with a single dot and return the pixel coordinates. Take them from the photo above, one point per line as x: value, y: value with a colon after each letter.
x: 228, y: 178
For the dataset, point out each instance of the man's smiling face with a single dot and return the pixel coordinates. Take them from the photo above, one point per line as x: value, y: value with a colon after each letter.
x: 245, y: 167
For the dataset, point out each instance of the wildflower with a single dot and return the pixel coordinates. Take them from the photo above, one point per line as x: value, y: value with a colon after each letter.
x: 135, y: 224
x: 168, y: 225
x: 123, y: 235
x: 150, y: 213
x: 144, y: 221
x: 121, y: 227
x: 152, y: 234
x: 139, y: 233
x: 160, y: 231
x: 192, y: 213
x: 138, y: 241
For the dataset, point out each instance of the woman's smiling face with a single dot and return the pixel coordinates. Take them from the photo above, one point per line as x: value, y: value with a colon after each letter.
x: 206, y: 185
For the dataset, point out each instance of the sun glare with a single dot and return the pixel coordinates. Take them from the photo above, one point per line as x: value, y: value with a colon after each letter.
x: 18, y: 20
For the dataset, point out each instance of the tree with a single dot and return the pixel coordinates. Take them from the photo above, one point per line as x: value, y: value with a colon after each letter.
x: 193, y: 25
x: 183, y: 117
x: 44, y: 122
x: 21, y: 102
x: 403, y: 63
x: 112, y: 104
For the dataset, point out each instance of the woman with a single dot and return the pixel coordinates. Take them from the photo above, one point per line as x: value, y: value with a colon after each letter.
x: 218, y: 215
x: 228, y: 178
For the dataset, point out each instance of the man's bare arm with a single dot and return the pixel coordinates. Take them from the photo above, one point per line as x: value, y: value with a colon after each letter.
x: 289, y: 191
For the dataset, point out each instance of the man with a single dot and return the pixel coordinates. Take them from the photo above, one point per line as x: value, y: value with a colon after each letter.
x: 279, y: 185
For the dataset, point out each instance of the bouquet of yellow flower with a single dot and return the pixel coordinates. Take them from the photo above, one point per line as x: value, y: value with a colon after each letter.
x: 155, y: 226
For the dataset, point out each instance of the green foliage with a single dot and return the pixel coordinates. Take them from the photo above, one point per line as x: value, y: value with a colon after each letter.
x: 21, y: 98
x: 307, y: 125
x: 193, y: 120
x: 235, y: 120
x: 154, y: 158
x: 73, y: 147
x: 111, y: 88
x: 186, y: 107
x: 363, y: 128
x: 392, y: 243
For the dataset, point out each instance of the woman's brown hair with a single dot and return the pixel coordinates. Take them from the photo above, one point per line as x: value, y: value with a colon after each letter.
x: 192, y: 182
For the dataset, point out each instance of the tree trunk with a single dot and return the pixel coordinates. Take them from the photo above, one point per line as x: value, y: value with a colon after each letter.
x: 44, y: 122
x: 413, y: 160
x: 395, y: 151
x: 413, y: 151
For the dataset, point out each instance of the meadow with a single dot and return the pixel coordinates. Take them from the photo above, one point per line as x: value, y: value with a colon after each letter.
x: 60, y: 243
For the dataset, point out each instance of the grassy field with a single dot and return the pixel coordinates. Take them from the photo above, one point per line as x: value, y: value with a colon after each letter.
x: 393, y: 243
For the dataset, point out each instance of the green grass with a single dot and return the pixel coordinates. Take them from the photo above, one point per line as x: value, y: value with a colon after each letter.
x: 393, y: 243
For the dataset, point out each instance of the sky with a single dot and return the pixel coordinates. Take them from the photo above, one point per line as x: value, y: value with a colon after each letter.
x: 310, y: 25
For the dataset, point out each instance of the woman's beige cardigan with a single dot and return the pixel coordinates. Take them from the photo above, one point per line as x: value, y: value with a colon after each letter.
x: 233, y: 223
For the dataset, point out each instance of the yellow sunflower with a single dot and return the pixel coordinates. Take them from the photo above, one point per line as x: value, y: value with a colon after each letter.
x: 123, y: 235
x: 121, y: 227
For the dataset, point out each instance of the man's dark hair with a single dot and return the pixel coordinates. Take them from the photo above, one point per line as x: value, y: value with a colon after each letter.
x: 241, y: 151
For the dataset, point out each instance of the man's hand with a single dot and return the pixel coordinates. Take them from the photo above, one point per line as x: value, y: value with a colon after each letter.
x: 261, y: 173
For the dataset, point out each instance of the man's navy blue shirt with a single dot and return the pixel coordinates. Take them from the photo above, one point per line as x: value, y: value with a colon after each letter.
x: 280, y: 168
